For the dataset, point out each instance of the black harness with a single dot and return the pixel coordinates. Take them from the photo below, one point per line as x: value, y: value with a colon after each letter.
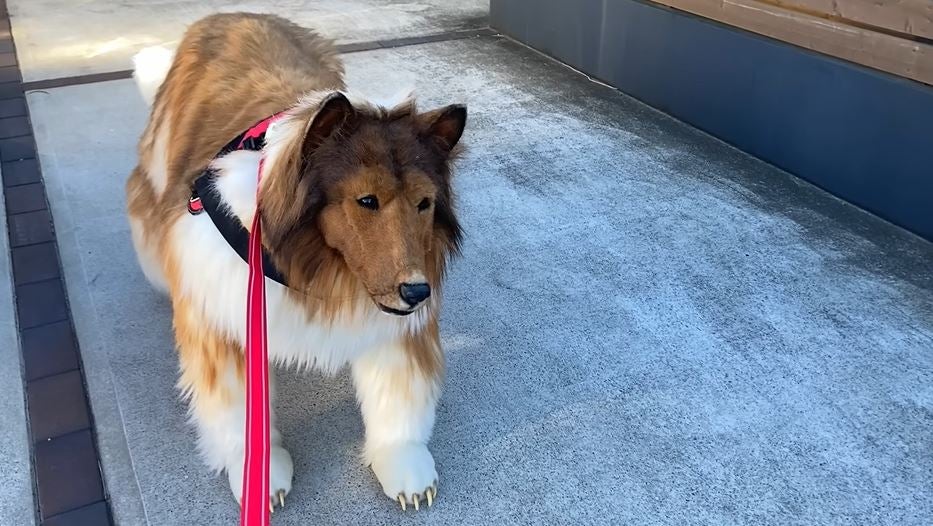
x: 206, y: 198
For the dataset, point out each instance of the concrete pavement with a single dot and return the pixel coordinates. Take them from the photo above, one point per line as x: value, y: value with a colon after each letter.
x: 647, y: 326
x: 63, y: 39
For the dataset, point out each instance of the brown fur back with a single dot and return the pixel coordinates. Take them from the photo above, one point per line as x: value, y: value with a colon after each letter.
x: 230, y: 71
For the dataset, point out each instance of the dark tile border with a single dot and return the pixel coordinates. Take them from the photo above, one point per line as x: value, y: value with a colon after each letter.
x: 68, y: 484
x: 86, y: 516
x: 354, y: 47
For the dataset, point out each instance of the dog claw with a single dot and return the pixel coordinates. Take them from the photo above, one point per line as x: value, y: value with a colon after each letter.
x: 429, y: 496
x: 271, y: 508
x: 281, y: 495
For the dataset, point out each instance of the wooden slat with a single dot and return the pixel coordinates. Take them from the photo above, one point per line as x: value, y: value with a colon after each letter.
x: 908, y: 17
x: 900, y: 56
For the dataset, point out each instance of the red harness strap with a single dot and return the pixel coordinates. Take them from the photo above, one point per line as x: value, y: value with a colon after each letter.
x: 257, y: 132
x: 255, y: 499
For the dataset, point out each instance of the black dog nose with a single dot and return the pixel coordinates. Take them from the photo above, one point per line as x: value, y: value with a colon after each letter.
x: 414, y: 293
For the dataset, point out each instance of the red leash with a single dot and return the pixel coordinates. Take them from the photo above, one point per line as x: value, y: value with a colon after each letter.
x: 255, y: 499
x: 255, y: 511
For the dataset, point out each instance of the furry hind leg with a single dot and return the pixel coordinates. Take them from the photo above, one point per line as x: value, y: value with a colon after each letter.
x: 213, y: 382
x: 139, y: 194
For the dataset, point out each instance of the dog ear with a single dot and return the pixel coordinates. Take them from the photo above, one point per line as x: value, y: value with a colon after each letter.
x: 288, y: 194
x: 334, y: 114
x: 444, y: 126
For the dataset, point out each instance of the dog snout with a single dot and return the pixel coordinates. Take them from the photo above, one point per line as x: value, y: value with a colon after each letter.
x: 414, y: 293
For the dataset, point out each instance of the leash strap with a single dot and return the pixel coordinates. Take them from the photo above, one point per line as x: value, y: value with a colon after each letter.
x: 255, y: 499
x: 255, y: 503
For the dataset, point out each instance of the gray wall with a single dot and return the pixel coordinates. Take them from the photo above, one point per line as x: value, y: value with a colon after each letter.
x: 863, y: 135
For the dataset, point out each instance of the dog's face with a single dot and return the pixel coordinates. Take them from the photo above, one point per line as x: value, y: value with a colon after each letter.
x: 375, y: 188
x: 383, y: 225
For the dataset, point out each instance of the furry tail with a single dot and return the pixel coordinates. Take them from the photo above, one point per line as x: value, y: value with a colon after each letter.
x: 150, y: 67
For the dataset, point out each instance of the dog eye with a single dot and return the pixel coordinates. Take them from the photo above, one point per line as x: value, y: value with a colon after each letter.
x: 369, y: 202
x: 424, y: 204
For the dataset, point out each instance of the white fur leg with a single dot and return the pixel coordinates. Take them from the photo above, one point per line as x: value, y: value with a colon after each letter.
x: 398, y: 405
x: 281, y: 470
x: 221, y: 426
x: 405, y: 469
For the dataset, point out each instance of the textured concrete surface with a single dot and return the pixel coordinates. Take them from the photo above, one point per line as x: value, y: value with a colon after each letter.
x: 56, y: 38
x: 16, y: 499
x: 647, y: 326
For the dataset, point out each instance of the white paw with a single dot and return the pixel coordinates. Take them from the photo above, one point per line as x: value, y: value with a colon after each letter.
x: 406, y: 472
x: 281, y: 470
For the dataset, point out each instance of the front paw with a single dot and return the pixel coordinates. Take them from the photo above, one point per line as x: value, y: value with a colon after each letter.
x: 281, y: 470
x: 406, y: 472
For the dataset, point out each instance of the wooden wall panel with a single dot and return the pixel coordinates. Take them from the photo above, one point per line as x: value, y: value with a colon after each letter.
x: 905, y: 57
x: 907, y: 17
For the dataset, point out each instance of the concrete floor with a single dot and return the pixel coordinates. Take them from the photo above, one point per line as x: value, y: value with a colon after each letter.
x: 16, y: 497
x: 647, y: 326
x: 62, y: 39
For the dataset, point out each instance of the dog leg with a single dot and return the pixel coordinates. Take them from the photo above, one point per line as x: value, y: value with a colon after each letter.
x: 213, y: 381
x: 398, y: 398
